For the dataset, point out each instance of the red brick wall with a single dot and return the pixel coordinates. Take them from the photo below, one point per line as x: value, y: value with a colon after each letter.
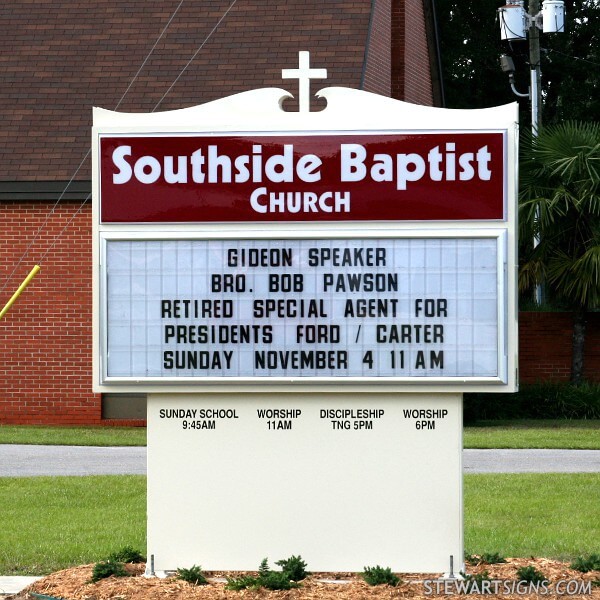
x: 417, y: 76
x: 411, y: 77
x: 592, y: 348
x: 45, y: 371
x: 45, y: 374
x: 545, y: 342
x: 377, y: 77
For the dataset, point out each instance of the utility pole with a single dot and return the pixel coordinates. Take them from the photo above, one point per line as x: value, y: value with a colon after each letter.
x: 517, y: 25
x: 535, y: 91
x: 535, y: 66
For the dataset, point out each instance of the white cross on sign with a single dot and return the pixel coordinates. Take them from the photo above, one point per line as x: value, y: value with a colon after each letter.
x: 304, y: 74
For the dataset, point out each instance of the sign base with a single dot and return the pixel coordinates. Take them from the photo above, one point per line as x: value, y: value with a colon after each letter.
x: 342, y: 480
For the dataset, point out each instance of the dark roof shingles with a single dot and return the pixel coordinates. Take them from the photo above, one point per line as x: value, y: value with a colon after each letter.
x: 59, y: 59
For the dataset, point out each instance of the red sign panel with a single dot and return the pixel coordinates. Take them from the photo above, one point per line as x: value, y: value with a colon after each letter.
x: 402, y: 177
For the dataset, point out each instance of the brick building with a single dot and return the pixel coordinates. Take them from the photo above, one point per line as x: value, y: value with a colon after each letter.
x: 59, y: 58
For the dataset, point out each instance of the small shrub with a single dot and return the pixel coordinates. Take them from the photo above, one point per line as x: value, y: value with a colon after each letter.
x: 584, y: 564
x: 492, y: 558
x: 294, y: 567
x: 487, y: 558
x: 192, y: 575
x: 241, y: 583
x: 127, y: 554
x: 271, y: 580
x: 380, y: 576
x: 474, y: 582
x: 263, y: 569
x: 108, y: 568
x: 276, y: 580
x: 531, y: 575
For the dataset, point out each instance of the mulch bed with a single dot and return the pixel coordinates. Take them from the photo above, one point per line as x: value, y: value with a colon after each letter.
x: 73, y: 584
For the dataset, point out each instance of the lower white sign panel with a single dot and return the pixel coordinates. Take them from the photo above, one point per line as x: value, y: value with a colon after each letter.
x: 393, y: 308
x: 344, y: 481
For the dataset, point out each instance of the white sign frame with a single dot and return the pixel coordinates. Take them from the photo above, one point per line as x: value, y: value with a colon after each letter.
x: 181, y: 381
x: 348, y: 111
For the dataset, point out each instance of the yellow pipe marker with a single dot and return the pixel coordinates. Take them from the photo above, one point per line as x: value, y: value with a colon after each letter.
x: 25, y: 283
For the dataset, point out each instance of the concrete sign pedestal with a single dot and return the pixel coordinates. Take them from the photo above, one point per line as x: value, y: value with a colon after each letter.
x: 343, y: 480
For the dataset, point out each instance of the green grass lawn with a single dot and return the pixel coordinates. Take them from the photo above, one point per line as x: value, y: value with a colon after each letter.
x: 72, y: 436
x: 484, y: 434
x: 576, y: 434
x: 52, y: 523
x: 534, y: 514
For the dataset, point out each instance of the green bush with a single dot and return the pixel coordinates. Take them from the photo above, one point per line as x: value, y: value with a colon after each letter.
x: 471, y: 559
x: 294, y: 567
x: 271, y: 580
x: 127, y: 554
x: 108, y: 568
x: 192, y: 575
x: 489, y: 558
x: 380, y: 576
x: 536, y: 401
x: 530, y: 575
x: 263, y: 568
x: 584, y: 564
x: 276, y: 580
x: 474, y: 582
x: 241, y: 583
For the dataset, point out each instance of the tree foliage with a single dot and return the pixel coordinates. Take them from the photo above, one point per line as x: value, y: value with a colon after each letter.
x: 571, y: 65
x: 560, y: 169
x: 471, y: 46
x: 560, y: 205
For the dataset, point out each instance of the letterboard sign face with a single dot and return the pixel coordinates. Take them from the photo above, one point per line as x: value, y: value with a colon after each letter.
x: 409, y: 308
x: 311, y: 249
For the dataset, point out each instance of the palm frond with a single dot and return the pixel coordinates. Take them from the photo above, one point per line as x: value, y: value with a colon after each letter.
x: 531, y: 274
x: 578, y: 278
x: 559, y: 203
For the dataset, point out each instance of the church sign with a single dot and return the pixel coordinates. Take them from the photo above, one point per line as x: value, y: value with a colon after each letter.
x: 307, y: 294
x: 291, y: 246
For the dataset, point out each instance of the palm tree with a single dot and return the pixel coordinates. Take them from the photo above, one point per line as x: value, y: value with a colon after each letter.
x: 560, y: 206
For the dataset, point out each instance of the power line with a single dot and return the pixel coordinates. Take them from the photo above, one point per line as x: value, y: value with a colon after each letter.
x: 57, y: 237
x: 54, y: 207
x: 572, y: 57
x: 149, y: 54
x: 195, y: 54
